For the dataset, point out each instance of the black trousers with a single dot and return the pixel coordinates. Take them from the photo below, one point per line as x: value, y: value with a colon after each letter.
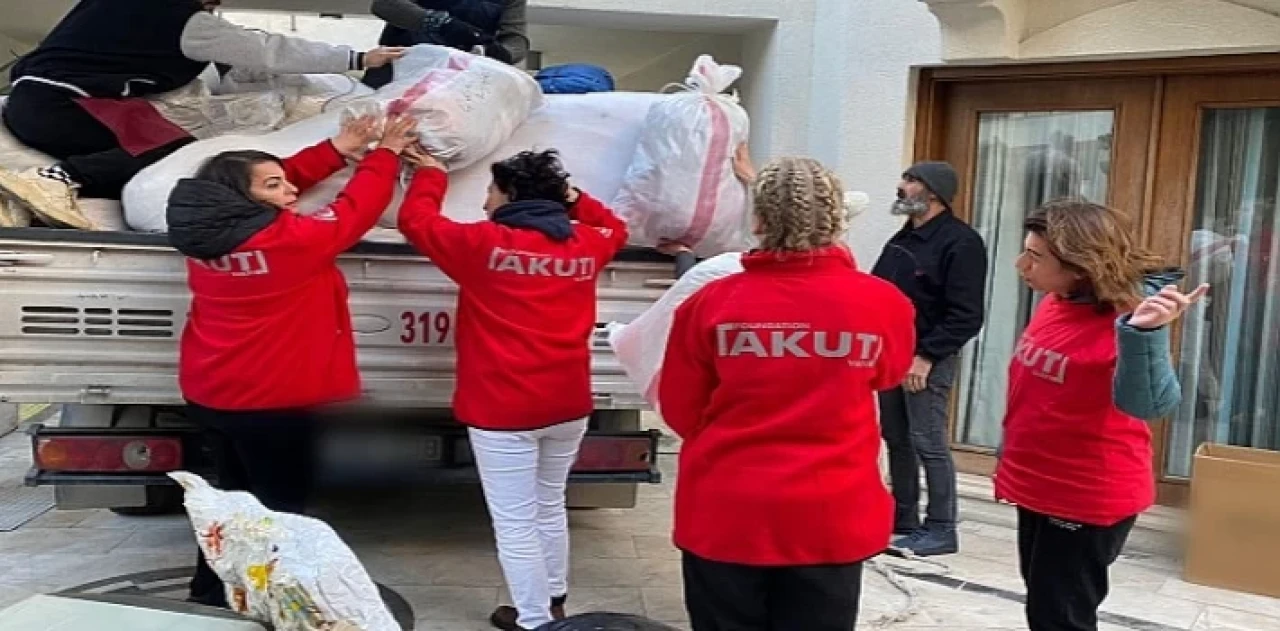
x: 728, y: 597
x: 1065, y: 568
x: 49, y: 120
x: 914, y: 427
x: 267, y: 453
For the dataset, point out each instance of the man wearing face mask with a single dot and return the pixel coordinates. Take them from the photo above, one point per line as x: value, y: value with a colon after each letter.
x: 939, y: 262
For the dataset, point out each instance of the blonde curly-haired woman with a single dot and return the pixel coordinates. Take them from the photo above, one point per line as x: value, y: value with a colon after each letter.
x: 770, y: 378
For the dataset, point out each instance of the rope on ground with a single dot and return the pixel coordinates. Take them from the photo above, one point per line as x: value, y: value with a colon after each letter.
x: 893, y: 574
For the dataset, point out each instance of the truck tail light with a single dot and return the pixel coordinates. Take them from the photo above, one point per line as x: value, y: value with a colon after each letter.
x: 615, y: 454
x: 96, y: 454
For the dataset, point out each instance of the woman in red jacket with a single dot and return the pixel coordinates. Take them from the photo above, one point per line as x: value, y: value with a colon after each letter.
x: 268, y: 337
x: 1090, y: 369
x: 770, y: 378
x: 526, y: 313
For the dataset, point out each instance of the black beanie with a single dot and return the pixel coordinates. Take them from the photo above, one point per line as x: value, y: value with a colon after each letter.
x: 938, y: 177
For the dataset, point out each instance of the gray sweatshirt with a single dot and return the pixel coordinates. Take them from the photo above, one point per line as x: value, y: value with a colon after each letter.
x: 212, y: 39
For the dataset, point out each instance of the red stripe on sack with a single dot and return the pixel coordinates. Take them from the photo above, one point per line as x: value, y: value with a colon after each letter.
x: 457, y: 63
x: 712, y: 176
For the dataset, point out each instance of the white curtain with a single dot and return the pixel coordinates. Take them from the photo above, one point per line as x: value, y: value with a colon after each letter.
x: 1024, y: 160
x: 1228, y: 360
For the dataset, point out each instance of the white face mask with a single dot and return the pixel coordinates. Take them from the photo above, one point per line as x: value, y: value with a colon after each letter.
x: 909, y: 206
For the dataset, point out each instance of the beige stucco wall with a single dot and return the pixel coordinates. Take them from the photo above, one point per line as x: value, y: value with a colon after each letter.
x: 993, y: 30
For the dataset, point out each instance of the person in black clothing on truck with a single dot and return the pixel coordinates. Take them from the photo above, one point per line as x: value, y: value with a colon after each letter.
x: 939, y: 262
x: 77, y: 96
x: 495, y: 28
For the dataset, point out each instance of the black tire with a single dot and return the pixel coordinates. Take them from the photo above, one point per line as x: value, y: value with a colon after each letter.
x: 161, y: 500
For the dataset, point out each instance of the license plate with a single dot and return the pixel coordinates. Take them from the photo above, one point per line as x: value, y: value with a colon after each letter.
x: 368, y: 451
x: 427, y: 328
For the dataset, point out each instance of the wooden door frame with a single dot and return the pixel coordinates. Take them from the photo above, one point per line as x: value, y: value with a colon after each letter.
x: 1165, y: 162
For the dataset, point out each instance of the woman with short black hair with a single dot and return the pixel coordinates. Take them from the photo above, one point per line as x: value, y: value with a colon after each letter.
x: 526, y: 313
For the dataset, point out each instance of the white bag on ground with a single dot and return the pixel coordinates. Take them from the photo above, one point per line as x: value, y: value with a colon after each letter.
x: 291, y: 571
x: 467, y: 105
x: 681, y: 185
x: 596, y: 134
x: 641, y: 345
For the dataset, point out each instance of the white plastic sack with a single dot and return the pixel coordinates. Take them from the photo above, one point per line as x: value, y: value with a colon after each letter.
x: 467, y: 105
x: 304, y: 95
x: 595, y: 133
x: 641, y: 345
x: 197, y: 110
x: 254, y: 103
x: 681, y: 184
x: 291, y: 571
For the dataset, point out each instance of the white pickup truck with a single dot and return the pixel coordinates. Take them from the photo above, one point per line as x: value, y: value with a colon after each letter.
x: 91, y: 320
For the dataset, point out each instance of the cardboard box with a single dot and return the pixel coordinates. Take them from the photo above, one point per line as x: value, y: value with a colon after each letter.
x: 1234, y: 528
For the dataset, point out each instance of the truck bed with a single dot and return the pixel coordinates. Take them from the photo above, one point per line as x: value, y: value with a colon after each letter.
x: 95, y: 317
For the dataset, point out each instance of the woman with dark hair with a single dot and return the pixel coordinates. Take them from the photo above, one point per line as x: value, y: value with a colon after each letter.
x: 526, y: 313
x: 1091, y: 369
x: 268, y: 338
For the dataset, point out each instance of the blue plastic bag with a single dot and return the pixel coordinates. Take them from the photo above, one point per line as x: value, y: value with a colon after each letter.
x: 574, y: 79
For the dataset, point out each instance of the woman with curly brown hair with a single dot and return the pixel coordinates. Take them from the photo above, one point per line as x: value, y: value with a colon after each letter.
x: 1091, y: 368
x: 770, y: 377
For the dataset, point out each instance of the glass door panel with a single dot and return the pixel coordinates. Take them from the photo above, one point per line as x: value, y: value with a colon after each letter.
x: 1023, y: 160
x: 1228, y: 364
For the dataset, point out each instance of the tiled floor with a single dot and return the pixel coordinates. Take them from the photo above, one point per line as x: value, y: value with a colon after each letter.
x: 435, y: 550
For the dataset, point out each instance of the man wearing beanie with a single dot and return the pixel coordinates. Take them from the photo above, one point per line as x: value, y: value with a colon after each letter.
x: 940, y: 263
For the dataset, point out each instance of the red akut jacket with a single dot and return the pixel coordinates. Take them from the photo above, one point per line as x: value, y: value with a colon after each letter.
x: 1069, y: 452
x: 269, y: 326
x: 526, y: 307
x: 770, y: 377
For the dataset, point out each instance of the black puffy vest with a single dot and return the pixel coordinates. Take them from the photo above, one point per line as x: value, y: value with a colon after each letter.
x: 485, y: 15
x: 113, y: 48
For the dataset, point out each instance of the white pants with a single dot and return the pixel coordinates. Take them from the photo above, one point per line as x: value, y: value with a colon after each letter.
x: 524, y: 476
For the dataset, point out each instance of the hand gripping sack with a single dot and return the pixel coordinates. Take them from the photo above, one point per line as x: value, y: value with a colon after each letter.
x: 467, y: 106
x: 641, y: 345
x: 681, y: 185
x: 288, y: 570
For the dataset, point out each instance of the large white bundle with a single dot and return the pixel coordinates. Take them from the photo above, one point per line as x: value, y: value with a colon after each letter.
x: 596, y: 134
x: 681, y: 185
x: 291, y: 571
x: 641, y: 345
x: 466, y: 105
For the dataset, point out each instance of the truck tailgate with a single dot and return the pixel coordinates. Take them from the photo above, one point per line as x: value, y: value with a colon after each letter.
x: 91, y: 317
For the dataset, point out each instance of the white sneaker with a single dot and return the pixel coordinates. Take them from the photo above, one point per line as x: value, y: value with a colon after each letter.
x: 13, y: 215
x: 53, y: 201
